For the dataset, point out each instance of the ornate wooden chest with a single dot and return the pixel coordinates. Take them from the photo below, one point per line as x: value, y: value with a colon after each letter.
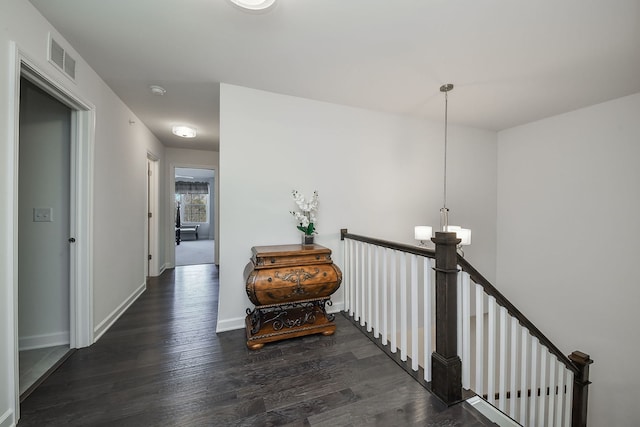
x: 290, y: 286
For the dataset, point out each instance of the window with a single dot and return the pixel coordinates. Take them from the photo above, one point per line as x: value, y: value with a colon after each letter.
x: 192, y: 200
x: 193, y: 207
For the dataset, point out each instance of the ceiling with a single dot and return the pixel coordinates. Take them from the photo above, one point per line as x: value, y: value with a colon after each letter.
x: 512, y: 62
x: 193, y: 173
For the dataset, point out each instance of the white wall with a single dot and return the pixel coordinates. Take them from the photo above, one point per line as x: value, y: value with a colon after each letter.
x: 568, y: 204
x: 119, y: 184
x: 377, y: 174
x: 184, y: 158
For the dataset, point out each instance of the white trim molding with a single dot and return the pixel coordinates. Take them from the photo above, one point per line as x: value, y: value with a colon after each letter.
x: 225, y: 325
x: 82, y: 155
x: 44, y: 340
x: 7, y: 419
x: 119, y: 311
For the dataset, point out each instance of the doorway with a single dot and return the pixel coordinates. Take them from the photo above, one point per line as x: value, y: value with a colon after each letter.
x: 44, y: 221
x: 79, y: 266
x: 151, y: 242
x: 194, y: 210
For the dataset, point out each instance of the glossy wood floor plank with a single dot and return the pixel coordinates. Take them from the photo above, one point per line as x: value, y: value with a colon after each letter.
x: 161, y: 364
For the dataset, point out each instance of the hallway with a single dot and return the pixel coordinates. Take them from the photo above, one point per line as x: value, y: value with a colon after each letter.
x: 162, y: 364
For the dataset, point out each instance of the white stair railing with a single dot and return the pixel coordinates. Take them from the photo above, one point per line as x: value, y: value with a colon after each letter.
x: 524, y: 379
x: 390, y: 291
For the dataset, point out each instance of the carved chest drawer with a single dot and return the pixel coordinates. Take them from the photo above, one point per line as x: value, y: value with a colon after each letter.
x: 290, y: 286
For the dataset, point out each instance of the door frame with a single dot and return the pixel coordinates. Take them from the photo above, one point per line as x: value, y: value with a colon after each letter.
x: 152, y: 244
x: 170, y: 252
x: 83, y: 116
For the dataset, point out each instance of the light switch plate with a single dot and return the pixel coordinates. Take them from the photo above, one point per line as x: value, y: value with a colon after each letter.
x: 42, y: 215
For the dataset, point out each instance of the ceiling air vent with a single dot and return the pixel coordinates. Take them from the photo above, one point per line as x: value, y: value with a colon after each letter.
x: 60, y: 57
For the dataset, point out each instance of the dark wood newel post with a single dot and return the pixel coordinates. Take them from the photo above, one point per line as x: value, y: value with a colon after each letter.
x: 446, y: 366
x: 580, y: 388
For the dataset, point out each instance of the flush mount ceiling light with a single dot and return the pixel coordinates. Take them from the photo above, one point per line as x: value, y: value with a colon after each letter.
x: 253, y: 5
x: 157, y: 90
x: 184, y: 131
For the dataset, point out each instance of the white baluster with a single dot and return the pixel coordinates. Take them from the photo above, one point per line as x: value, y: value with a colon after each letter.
x: 568, y: 399
x: 502, y: 379
x: 376, y: 291
x: 385, y: 296
x: 363, y: 284
x: 479, y: 339
x: 491, y: 356
x: 346, y: 281
x: 415, y: 343
x: 403, y: 306
x: 357, y: 283
x: 428, y: 336
x: 354, y: 279
x: 466, y: 330
x: 542, y: 402
x: 369, y: 287
x: 534, y: 382
x: 393, y: 290
x: 524, y: 369
x: 514, y: 368
x: 560, y: 402
x: 552, y: 390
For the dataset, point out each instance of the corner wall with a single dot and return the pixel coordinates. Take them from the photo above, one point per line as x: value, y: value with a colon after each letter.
x: 377, y: 174
x: 568, y: 203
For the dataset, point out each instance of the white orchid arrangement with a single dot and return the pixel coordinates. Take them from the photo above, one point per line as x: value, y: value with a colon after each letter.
x: 306, y: 216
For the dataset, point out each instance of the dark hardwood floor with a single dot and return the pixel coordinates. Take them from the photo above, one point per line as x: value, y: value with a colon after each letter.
x: 162, y: 364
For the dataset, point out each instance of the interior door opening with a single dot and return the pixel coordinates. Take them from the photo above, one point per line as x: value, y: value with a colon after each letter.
x: 44, y: 230
x: 194, y: 216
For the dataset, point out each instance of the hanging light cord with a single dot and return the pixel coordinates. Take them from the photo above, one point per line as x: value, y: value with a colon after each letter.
x: 444, y: 212
x: 446, y: 107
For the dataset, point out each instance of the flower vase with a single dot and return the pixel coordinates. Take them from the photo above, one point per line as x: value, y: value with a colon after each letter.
x: 307, y: 239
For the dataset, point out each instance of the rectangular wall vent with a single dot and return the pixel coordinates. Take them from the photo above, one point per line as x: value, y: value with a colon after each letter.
x: 59, y: 57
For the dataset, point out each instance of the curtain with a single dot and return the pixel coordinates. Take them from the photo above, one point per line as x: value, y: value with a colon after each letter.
x: 184, y: 187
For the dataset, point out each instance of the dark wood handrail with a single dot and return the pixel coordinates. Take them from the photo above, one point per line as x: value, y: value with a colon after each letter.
x: 416, y: 250
x: 512, y: 310
x: 477, y: 278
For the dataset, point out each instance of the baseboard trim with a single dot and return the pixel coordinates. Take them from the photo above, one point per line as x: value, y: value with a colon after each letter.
x: 6, y: 419
x: 335, y: 307
x: 163, y: 268
x: 230, y: 324
x: 45, y: 340
x: 115, y: 314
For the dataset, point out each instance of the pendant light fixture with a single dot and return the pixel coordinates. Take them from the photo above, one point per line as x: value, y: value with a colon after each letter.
x: 422, y: 233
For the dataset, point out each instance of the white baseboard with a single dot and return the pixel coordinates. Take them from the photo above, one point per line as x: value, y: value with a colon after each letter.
x: 225, y: 325
x: 163, y: 268
x: 336, y: 307
x: 104, y: 326
x: 6, y: 419
x: 45, y: 340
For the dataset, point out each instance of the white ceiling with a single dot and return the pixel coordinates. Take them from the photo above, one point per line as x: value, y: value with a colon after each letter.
x: 512, y: 62
x: 193, y: 173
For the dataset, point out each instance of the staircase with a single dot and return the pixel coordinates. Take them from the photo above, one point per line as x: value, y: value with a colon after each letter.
x: 453, y: 331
